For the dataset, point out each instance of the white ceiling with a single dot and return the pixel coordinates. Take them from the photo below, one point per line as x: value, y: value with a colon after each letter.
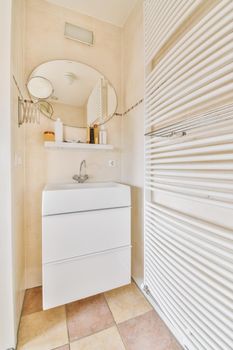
x: 112, y: 11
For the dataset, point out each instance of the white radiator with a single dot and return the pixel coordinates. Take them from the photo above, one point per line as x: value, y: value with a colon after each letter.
x: 162, y: 19
x: 189, y: 168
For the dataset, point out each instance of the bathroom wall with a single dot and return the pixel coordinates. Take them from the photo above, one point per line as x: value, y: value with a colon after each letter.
x: 45, y: 41
x: 133, y: 127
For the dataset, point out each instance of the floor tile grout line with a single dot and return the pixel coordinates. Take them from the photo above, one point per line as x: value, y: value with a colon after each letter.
x: 101, y: 330
x: 121, y: 336
x: 114, y: 321
x: 89, y: 335
x: 141, y: 293
x: 106, y: 300
x: 60, y: 346
x: 130, y: 319
x: 67, y: 328
x: 119, y: 322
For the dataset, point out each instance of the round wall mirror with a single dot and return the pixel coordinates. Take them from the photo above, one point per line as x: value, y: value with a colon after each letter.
x: 80, y: 95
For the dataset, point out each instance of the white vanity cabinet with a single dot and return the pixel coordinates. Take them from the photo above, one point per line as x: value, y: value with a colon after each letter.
x: 86, y: 249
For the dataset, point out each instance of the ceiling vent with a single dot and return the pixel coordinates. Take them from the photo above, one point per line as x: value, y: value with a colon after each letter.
x: 82, y: 35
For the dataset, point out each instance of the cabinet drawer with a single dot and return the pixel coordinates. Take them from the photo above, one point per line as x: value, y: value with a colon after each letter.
x: 69, y: 235
x: 78, y: 278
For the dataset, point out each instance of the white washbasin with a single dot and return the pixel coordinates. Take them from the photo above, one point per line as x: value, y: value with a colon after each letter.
x: 76, y: 197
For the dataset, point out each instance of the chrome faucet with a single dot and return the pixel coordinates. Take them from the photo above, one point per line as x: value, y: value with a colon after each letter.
x: 81, y: 178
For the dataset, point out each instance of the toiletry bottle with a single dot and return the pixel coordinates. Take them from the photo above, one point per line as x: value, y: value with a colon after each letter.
x: 103, y: 135
x: 92, y: 138
x: 58, y: 130
x: 96, y: 134
x: 88, y: 134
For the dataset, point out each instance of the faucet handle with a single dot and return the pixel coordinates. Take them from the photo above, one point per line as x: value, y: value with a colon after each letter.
x: 76, y: 177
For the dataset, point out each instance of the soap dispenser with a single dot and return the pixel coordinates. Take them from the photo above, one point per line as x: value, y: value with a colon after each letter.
x: 103, y: 135
x: 58, y: 130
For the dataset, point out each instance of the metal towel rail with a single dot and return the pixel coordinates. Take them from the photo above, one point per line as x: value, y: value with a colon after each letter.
x: 181, y: 128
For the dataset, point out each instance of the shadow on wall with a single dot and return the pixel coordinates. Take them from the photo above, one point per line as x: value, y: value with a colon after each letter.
x: 137, y: 233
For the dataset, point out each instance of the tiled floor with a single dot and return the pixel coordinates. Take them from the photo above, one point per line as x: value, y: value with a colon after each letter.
x: 117, y: 320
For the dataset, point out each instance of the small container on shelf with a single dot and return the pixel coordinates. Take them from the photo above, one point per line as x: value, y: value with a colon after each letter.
x: 58, y: 130
x: 96, y: 134
x: 103, y: 135
x: 88, y: 134
x: 92, y: 136
x: 49, y: 136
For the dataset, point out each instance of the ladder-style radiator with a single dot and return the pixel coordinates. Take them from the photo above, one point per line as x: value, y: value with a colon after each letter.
x: 189, y: 168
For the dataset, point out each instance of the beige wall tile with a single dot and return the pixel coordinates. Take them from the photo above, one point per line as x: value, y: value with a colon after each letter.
x: 43, y: 330
x: 108, y: 339
x: 127, y: 302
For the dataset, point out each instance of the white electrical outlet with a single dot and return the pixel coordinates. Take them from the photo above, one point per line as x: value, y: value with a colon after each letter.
x: 18, y: 160
x: 112, y: 163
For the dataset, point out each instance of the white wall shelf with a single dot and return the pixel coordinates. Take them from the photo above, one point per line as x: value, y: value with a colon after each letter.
x: 76, y: 145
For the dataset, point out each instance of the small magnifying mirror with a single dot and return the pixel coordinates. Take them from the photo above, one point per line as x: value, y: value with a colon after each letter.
x: 40, y: 87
